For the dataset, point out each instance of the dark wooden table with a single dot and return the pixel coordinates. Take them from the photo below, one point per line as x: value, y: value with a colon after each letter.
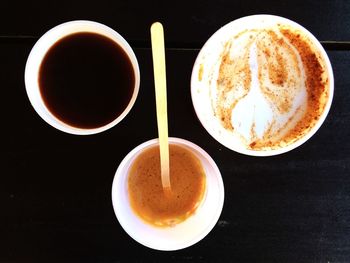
x: 55, y: 188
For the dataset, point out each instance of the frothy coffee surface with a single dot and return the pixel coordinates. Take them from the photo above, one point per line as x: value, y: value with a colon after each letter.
x: 268, y: 87
x: 146, y: 193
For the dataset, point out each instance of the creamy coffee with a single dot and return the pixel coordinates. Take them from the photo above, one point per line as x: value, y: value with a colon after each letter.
x: 267, y: 86
x: 146, y: 194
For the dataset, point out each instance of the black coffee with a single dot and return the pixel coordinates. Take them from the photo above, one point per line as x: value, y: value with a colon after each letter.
x: 86, y: 80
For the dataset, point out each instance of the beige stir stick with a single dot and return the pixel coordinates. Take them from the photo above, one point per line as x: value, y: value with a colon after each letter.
x: 158, y: 53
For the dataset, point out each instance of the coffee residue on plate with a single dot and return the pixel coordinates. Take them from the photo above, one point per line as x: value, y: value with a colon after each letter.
x: 234, y: 77
x: 316, y: 82
x: 289, y: 77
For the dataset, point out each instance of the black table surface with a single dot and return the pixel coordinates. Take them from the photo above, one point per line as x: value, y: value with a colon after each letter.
x: 55, y: 188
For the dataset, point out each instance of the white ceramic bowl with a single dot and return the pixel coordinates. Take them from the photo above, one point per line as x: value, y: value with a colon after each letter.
x: 38, y: 53
x: 208, y: 61
x: 184, y: 234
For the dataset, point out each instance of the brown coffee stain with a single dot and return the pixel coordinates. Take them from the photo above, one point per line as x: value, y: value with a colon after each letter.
x: 317, y: 83
x: 287, y: 61
x: 282, y: 73
x: 146, y: 193
x: 266, y: 140
x: 235, y: 78
x: 269, y: 138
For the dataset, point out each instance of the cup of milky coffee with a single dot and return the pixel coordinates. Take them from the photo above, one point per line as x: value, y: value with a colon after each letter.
x: 82, y: 77
x: 168, y: 221
x: 262, y: 85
